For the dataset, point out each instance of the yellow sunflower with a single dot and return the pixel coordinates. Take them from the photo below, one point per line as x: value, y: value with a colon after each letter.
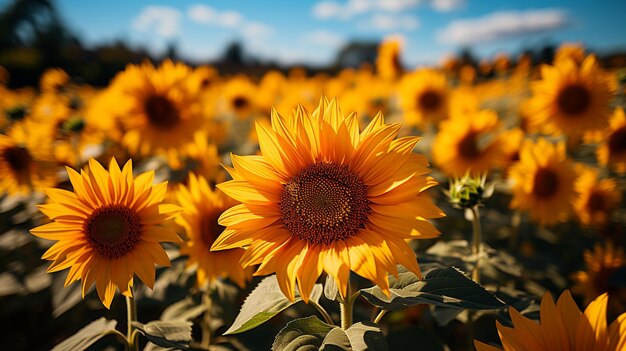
x: 53, y: 80
x: 424, y: 97
x: 108, y: 229
x: 323, y: 196
x: 202, y: 208
x: 595, y: 198
x: 613, y: 150
x: 572, y: 99
x: 466, y: 143
x: 240, y: 94
x: 388, y: 62
x: 570, y: 51
x: 601, y: 264
x: 24, y: 159
x: 158, y: 108
x: 563, y: 327
x: 543, y: 181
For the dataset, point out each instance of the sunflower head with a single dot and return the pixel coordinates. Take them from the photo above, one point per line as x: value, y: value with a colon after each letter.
x: 602, y: 263
x: 424, y: 96
x: 388, y: 62
x: 612, y: 150
x: 596, y: 198
x: 572, y: 99
x: 467, y: 192
x: 562, y: 327
x: 543, y: 181
x: 202, y: 208
x: 108, y: 229
x: 324, y: 196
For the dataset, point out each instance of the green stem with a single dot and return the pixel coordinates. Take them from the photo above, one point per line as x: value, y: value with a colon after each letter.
x: 345, y: 308
x: 323, y: 312
x: 206, y: 322
x: 380, y: 316
x: 476, y: 241
x: 131, y: 309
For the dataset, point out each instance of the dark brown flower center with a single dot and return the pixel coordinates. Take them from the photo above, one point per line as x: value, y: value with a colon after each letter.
x: 617, y: 141
x: 324, y: 203
x: 574, y: 100
x: 468, y: 146
x: 18, y: 159
x: 161, y: 112
x: 113, y: 230
x: 209, y: 228
x: 546, y: 183
x: 596, y: 202
x: 429, y: 100
x: 240, y: 102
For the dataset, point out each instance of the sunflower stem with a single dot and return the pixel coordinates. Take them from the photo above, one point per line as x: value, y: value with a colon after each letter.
x: 345, y: 308
x: 206, y: 321
x: 380, y: 316
x: 323, y: 312
x: 131, y: 309
x: 476, y: 241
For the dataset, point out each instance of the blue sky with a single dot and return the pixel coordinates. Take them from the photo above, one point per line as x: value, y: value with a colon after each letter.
x: 311, y: 31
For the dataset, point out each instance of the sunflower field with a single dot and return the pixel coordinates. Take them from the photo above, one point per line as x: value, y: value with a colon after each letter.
x: 450, y: 207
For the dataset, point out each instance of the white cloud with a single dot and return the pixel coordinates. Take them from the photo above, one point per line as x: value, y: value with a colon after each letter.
x: 207, y: 15
x: 324, y: 38
x: 164, y: 20
x: 386, y: 22
x: 447, y: 5
x: 345, y: 11
x: 501, y: 25
x: 257, y: 30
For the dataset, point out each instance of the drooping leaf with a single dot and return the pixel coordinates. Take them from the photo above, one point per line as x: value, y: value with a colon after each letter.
x: 88, y: 335
x: 183, y: 310
x: 302, y: 334
x: 442, y: 286
x: 366, y: 336
x: 336, y: 340
x: 330, y: 288
x: 167, y: 334
x: 263, y: 303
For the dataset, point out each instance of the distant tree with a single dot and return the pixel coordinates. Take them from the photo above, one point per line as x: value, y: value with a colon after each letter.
x: 354, y: 54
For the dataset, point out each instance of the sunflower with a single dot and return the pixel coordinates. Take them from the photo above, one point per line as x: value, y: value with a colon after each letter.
x: 562, y: 327
x: 602, y: 263
x: 53, y: 80
x: 108, y: 229
x: 240, y: 94
x: 158, y: 108
x: 388, y: 62
x: 543, y: 181
x: 613, y: 151
x: 424, y: 97
x: 572, y: 99
x: 595, y: 198
x: 570, y: 51
x: 24, y: 155
x: 323, y: 196
x: 462, y: 144
x: 202, y: 208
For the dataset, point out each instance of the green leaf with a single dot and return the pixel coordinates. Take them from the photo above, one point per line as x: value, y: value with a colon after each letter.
x: 442, y: 286
x: 85, y: 337
x: 336, y: 340
x: 366, y: 336
x: 302, y: 334
x: 263, y: 303
x: 167, y: 334
x: 183, y: 310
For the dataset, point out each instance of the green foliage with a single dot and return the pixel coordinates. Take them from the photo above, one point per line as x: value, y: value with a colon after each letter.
x: 167, y: 334
x: 88, y: 335
x: 266, y: 301
x: 442, y: 286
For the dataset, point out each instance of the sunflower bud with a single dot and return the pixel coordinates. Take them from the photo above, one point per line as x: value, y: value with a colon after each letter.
x: 469, y: 191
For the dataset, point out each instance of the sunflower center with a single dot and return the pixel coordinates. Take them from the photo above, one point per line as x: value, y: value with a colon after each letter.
x: 113, y: 230
x: 596, y: 202
x: 18, y: 159
x: 161, y: 112
x: 545, y: 184
x: 240, y: 102
x: 429, y: 100
x: 324, y: 203
x: 617, y: 141
x: 209, y: 228
x: 468, y: 147
x: 574, y: 100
